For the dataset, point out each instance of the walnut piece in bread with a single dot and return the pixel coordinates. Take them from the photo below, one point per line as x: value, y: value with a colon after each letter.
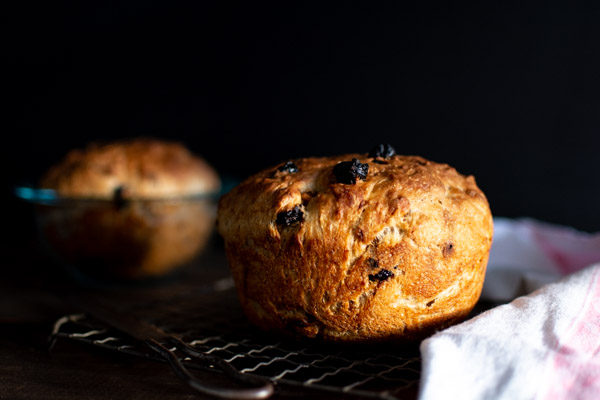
x: 133, y: 209
x: 357, y: 247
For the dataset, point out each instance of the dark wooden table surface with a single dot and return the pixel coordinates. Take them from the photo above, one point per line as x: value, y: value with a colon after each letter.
x: 30, y: 302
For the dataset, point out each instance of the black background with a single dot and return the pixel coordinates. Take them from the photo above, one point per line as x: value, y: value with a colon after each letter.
x: 508, y: 93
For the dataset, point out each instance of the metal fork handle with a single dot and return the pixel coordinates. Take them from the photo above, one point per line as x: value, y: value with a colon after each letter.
x: 260, y: 392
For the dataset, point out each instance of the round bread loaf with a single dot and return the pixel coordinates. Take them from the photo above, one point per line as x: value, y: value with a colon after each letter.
x: 357, y: 247
x: 143, y: 168
x: 129, y: 209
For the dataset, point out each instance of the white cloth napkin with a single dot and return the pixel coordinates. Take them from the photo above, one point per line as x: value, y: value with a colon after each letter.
x: 545, y: 345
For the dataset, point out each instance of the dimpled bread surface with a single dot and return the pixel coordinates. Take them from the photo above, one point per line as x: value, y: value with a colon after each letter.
x: 397, y: 254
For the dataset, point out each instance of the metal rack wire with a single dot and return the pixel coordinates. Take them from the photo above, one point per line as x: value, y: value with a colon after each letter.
x: 214, y: 324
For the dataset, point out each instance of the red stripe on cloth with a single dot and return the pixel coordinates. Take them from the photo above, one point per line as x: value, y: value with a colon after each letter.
x: 559, y: 247
x: 575, y: 367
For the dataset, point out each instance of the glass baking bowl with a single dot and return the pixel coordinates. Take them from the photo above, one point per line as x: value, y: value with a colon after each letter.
x: 119, y: 238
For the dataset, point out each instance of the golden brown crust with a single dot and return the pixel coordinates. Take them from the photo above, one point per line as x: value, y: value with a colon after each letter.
x: 141, y: 239
x: 156, y: 227
x: 145, y: 168
x: 425, y: 224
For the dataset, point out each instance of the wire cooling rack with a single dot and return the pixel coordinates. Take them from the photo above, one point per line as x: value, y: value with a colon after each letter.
x: 215, y: 325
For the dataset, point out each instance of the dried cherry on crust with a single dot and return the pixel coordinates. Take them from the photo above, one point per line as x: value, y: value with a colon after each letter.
x: 381, y: 276
x: 288, y: 167
x: 382, y: 151
x: 290, y: 217
x: 121, y: 196
x: 349, y: 172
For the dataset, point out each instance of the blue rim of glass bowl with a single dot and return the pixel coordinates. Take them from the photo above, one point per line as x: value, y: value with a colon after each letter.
x: 42, y: 196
